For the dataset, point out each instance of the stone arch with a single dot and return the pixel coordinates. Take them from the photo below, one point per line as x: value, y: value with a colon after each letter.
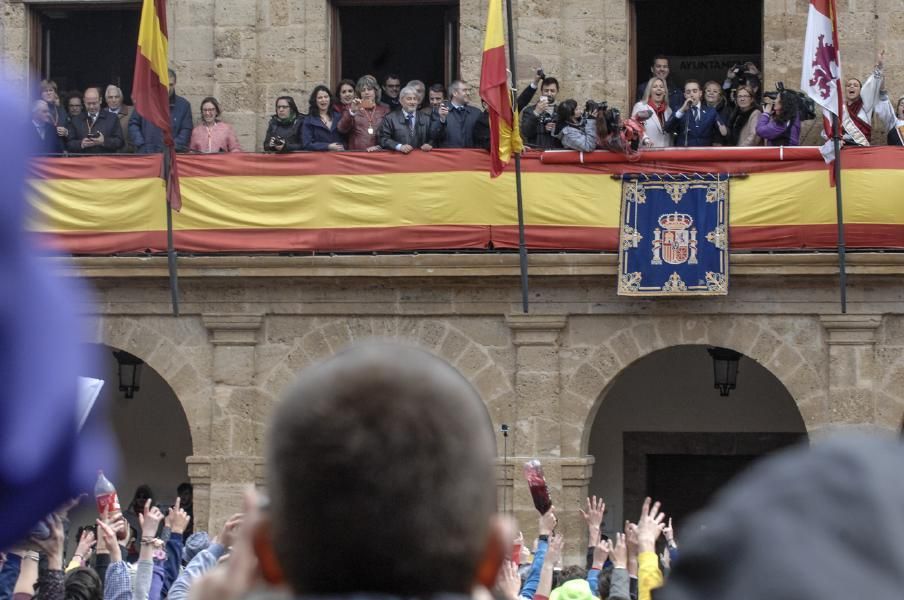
x: 791, y: 348
x: 291, y: 345
x: 178, y: 351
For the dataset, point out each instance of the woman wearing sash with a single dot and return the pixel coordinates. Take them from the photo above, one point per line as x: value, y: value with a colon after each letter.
x: 362, y: 118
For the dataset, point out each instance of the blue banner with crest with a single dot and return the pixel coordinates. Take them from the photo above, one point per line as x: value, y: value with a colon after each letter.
x: 674, y: 235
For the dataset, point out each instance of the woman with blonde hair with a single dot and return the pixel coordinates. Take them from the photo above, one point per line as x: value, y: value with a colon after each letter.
x: 655, y: 112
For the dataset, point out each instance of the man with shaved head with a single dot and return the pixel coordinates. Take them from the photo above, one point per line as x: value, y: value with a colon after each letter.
x: 382, y: 454
x: 94, y: 131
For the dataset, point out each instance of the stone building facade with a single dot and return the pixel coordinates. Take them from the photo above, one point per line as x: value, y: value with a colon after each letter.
x: 249, y: 323
x: 248, y: 52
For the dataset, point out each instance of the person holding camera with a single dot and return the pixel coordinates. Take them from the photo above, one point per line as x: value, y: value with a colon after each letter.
x: 94, y: 131
x: 538, y: 122
x: 779, y: 125
x: 573, y: 130
x: 695, y: 123
x: 655, y: 112
x: 284, y: 132
x: 362, y: 118
x: 742, y: 74
x: 743, y: 119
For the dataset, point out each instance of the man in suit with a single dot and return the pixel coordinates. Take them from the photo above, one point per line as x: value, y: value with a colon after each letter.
x: 456, y: 124
x: 148, y: 138
x: 661, y: 68
x: 94, y: 131
x: 113, y: 97
x: 408, y: 129
x: 48, y: 142
x: 694, y: 123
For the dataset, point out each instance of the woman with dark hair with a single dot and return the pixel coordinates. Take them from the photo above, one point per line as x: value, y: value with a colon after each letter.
x: 320, y: 129
x: 345, y: 93
x: 212, y: 135
x: 575, y: 132
x: 779, y: 124
x: 284, y: 132
x: 743, y: 120
x: 362, y: 119
x: 83, y: 583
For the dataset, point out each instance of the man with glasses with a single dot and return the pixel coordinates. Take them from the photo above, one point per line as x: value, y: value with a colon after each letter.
x: 74, y: 105
x: 457, y: 119
x: 392, y: 85
x: 94, y: 131
x: 113, y: 97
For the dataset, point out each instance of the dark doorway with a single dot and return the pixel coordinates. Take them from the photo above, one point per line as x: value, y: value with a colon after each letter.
x: 703, y: 38
x: 81, y: 47
x: 415, y: 41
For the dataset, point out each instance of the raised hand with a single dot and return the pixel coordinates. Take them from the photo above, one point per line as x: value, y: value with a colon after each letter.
x: 177, y: 519
x: 228, y: 534
x: 508, y: 582
x: 593, y: 516
x: 649, y: 526
x: 53, y: 545
x: 548, y: 521
x: 669, y: 533
x: 619, y: 553
x: 150, y: 519
x: 600, y: 553
x: 108, y: 536
x: 554, y: 553
x: 85, y: 543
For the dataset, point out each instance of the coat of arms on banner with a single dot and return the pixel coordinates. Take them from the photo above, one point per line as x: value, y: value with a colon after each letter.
x: 674, y: 235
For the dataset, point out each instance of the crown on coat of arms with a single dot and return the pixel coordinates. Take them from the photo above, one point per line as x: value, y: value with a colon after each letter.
x: 675, y: 221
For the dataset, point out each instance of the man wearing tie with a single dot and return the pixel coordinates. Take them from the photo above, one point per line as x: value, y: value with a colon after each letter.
x: 94, y: 131
x: 408, y: 129
x: 48, y: 142
x: 456, y: 125
x: 694, y: 123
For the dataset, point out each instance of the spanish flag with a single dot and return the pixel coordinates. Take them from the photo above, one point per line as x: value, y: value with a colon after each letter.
x: 150, y: 88
x: 505, y: 132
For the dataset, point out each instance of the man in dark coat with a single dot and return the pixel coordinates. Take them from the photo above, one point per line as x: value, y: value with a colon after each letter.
x: 47, y: 142
x: 408, y: 129
x: 456, y: 125
x: 147, y: 137
x: 94, y: 131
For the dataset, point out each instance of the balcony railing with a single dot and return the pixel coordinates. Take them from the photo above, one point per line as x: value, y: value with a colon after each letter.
x: 445, y: 200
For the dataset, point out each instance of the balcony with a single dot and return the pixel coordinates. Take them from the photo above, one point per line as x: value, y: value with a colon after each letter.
x: 311, y: 203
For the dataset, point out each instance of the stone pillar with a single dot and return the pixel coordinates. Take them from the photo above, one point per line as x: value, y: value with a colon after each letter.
x: 238, y: 415
x: 852, y: 368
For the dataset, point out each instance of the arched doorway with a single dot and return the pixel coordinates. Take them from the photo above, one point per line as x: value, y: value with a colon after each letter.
x: 151, y: 431
x: 662, y: 429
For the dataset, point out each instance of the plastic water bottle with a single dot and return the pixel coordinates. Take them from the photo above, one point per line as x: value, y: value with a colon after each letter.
x: 107, y: 500
x: 533, y: 472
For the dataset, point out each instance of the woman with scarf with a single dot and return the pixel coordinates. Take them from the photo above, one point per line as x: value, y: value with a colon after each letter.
x: 655, y: 103
x: 895, y: 125
x: 284, y: 132
x: 361, y: 120
x: 575, y: 132
x: 743, y: 120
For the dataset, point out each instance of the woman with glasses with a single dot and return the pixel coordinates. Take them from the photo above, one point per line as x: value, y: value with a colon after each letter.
x: 284, y: 132
x: 361, y: 121
x: 212, y: 135
x: 320, y: 131
x: 743, y: 120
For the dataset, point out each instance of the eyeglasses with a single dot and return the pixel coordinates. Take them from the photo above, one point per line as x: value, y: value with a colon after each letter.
x: 278, y: 106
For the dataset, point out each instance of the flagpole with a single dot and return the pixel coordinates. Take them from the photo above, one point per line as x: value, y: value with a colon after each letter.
x: 170, y: 247
x: 839, y: 204
x: 522, y: 244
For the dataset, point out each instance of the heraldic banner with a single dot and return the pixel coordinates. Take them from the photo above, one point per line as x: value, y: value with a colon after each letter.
x: 674, y: 235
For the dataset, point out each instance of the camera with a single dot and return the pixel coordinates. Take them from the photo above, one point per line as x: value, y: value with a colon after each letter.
x: 541, y: 74
x: 593, y: 106
x: 807, y: 110
x: 94, y: 135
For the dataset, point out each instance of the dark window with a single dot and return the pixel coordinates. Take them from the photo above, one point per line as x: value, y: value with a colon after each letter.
x: 415, y: 41
x: 81, y: 46
x: 703, y: 38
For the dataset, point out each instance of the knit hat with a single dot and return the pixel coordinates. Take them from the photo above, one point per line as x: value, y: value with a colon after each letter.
x: 195, y: 543
x: 576, y: 589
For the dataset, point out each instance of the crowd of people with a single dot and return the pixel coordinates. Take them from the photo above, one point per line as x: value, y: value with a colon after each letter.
x: 367, y: 115
x: 381, y: 485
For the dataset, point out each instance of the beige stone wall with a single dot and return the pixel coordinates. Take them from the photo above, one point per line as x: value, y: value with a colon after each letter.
x: 249, y: 323
x: 247, y: 52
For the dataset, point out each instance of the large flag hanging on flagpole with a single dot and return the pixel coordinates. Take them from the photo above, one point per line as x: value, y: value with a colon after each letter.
x: 505, y: 133
x: 820, y: 75
x: 150, y: 87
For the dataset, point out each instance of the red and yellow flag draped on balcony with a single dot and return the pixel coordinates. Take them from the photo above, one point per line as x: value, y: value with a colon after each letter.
x: 505, y: 134
x: 150, y: 87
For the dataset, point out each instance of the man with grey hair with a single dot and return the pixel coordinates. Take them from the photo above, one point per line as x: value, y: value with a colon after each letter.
x: 113, y: 98
x: 458, y: 119
x: 46, y: 140
x: 421, y: 90
x: 148, y: 138
x: 408, y: 129
x: 383, y: 452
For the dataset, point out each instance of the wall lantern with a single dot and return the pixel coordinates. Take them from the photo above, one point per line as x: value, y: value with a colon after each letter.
x: 129, y: 372
x: 725, y: 369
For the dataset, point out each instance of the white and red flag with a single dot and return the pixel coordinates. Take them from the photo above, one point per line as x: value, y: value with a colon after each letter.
x: 820, y: 76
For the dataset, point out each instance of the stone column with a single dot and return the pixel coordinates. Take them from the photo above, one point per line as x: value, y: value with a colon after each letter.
x: 852, y: 368
x: 239, y: 410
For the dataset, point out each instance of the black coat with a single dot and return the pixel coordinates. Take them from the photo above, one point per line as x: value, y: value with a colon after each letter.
x: 458, y: 130
x: 50, y: 143
x: 394, y: 130
x: 106, y: 123
x: 291, y: 133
